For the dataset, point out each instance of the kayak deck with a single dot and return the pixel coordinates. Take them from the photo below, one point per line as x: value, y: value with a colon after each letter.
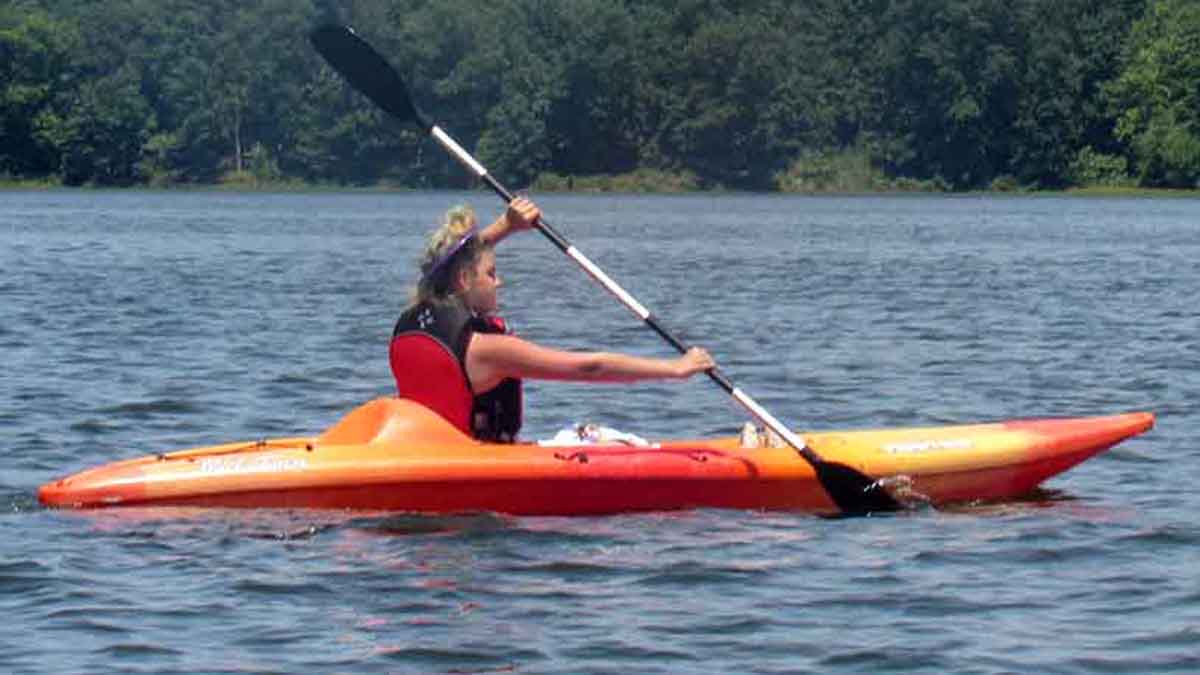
x: 392, y: 454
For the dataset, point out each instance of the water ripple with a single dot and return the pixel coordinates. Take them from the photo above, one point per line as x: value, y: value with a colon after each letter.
x: 136, y: 322
x: 146, y: 409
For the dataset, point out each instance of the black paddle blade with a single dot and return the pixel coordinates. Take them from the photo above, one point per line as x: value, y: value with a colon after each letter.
x: 854, y: 493
x: 366, y: 71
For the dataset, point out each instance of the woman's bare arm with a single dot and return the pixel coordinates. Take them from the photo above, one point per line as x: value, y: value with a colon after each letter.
x: 491, y: 358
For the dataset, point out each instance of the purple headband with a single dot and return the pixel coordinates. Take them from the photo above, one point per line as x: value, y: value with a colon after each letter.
x: 445, y: 258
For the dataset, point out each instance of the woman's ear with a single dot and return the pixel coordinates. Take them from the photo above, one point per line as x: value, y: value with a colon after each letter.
x: 462, y: 278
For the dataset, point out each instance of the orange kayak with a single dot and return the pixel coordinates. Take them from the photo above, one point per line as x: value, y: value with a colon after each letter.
x: 391, y: 454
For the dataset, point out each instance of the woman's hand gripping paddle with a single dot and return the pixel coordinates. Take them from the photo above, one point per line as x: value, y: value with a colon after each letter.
x: 368, y: 72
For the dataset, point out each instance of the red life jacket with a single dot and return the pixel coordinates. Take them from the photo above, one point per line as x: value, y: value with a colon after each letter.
x: 428, y: 356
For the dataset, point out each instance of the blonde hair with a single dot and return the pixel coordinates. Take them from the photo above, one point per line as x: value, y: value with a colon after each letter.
x: 446, y: 254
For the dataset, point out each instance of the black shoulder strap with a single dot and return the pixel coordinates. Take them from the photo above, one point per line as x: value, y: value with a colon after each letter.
x: 450, y: 322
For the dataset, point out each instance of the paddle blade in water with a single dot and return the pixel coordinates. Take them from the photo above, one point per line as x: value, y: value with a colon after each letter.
x: 366, y: 70
x: 853, y: 492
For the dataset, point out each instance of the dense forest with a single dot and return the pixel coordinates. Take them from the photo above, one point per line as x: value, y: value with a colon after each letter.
x: 739, y: 94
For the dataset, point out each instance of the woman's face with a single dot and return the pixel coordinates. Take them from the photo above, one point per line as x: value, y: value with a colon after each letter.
x: 480, y: 284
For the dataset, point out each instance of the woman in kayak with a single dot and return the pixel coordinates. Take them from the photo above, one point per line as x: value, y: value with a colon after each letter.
x: 451, y: 353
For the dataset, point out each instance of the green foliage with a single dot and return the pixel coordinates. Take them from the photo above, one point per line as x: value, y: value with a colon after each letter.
x: 1095, y: 169
x: 1005, y: 183
x: 262, y: 165
x: 954, y: 87
x: 640, y: 180
x: 846, y: 171
x: 159, y: 159
x: 845, y: 95
x: 1070, y: 49
x: 102, y: 132
x: 35, y: 54
x: 1157, y: 96
x: 851, y: 170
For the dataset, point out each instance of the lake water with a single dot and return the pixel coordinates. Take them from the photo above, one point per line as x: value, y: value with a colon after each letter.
x: 138, y: 322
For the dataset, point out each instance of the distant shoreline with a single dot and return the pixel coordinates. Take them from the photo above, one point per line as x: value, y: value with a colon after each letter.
x: 597, y: 187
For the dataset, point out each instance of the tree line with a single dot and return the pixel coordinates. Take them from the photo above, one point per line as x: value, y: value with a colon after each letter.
x: 741, y: 94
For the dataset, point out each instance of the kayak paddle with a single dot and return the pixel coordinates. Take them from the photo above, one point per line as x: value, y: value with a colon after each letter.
x: 367, y: 71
